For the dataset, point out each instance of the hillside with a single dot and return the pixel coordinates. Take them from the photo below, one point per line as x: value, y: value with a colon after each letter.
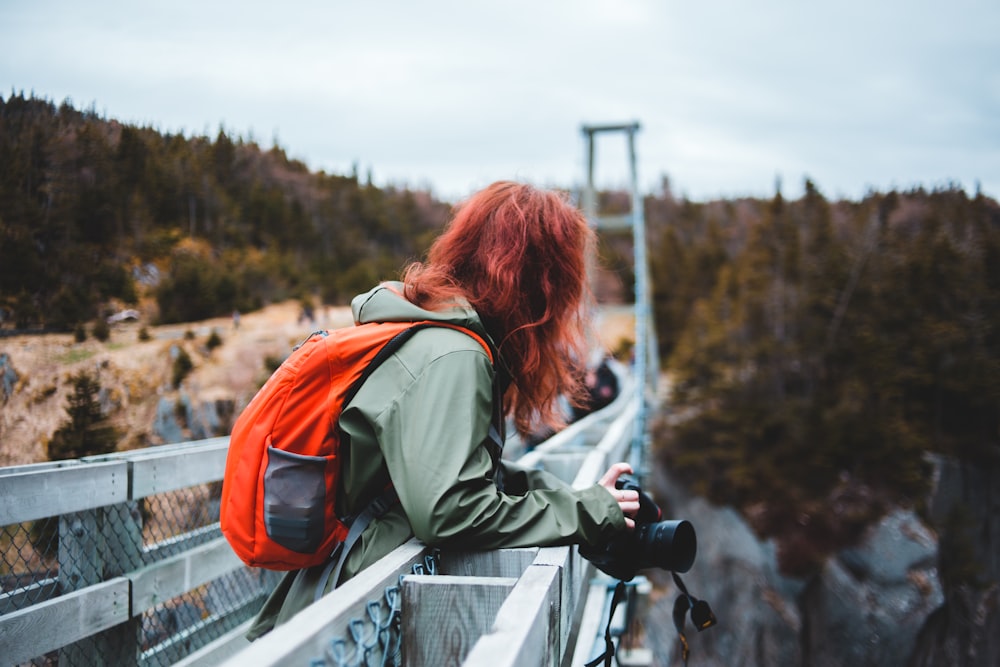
x: 135, y: 376
x: 95, y: 213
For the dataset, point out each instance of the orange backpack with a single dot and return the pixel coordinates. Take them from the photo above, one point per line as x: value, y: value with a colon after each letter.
x: 282, y: 470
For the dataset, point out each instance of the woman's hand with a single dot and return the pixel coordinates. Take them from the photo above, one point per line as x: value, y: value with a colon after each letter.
x: 628, y: 501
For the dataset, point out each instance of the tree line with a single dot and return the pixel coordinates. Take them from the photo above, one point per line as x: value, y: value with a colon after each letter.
x: 94, y: 212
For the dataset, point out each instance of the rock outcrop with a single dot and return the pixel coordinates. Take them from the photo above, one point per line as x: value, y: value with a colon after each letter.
x: 965, y: 509
x: 8, y: 377
x: 186, y: 417
x: 909, y: 594
x: 869, y: 602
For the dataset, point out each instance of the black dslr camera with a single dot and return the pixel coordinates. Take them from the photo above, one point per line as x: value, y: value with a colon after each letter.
x: 669, y: 545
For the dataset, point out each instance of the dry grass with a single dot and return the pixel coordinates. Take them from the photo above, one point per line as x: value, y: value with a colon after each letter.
x: 136, y: 374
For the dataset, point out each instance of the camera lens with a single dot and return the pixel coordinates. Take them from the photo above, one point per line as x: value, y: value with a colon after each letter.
x: 669, y: 545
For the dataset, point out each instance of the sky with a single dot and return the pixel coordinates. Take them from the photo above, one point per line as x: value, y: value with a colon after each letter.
x: 733, y: 98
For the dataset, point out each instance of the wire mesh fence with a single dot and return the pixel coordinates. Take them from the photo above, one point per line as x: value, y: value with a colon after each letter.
x: 44, y: 559
x: 29, y: 564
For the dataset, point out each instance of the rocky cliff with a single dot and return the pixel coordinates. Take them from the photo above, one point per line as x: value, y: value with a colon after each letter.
x: 912, y: 592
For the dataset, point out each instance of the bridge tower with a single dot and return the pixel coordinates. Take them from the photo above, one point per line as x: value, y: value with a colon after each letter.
x: 645, y: 361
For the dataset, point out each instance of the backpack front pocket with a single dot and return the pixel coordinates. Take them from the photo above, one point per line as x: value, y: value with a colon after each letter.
x: 295, y: 499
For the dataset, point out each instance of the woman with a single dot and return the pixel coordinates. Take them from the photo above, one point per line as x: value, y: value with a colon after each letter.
x: 511, y: 267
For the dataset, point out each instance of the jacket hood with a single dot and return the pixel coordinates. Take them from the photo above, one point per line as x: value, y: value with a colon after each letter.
x: 386, y: 303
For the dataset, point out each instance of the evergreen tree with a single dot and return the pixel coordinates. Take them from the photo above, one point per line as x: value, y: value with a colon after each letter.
x: 837, y: 346
x: 88, y: 431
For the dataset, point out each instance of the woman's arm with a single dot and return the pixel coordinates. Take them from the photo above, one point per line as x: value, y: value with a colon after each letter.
x: 519, y: 480
x: 431, y: 436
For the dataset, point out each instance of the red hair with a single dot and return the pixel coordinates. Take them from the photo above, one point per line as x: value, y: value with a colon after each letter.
x: 518, y: 255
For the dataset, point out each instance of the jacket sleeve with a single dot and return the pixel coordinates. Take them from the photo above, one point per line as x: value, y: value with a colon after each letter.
x: 518, y: 479
x: 432, y: 435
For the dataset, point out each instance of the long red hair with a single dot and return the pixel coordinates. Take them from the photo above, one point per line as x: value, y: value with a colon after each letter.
x: 518, y: 255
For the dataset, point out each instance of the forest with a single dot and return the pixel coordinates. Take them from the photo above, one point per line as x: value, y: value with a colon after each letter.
x: 816, y: 349
x: 819, y: 349
x: 95, y: 214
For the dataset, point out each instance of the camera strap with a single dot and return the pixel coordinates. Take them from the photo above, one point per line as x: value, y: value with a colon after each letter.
x: 609, y: 646
x: 701, y: 615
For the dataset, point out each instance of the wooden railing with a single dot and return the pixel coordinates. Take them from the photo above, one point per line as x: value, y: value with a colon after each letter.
x: 503, y: 607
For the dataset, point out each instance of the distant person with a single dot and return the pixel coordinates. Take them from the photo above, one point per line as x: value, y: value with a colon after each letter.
x: 236, y: 319
x: 602, y: 389
x: 511, y: 267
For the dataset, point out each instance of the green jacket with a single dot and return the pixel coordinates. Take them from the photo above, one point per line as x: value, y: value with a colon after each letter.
x: 423, y: 416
